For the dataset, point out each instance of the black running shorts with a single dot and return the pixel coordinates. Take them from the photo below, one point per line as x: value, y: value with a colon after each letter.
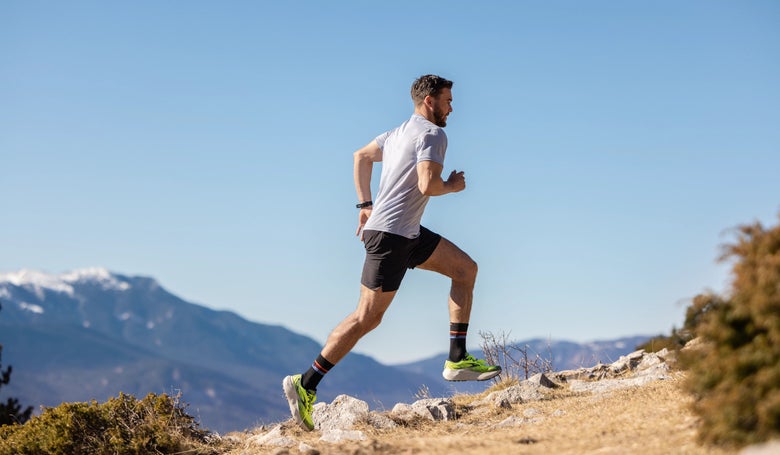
x: 389, y: 255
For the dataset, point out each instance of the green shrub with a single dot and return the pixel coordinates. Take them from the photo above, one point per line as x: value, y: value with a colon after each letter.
x: 680, y: 337
x: 735, y: 374
x: 673, y: 342
x: 122, y: 425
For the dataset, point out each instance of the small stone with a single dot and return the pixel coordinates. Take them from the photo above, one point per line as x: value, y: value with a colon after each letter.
x: 272, y: 438
x: 342, y: 413
x: 380, y: 421
x: 543, y: 380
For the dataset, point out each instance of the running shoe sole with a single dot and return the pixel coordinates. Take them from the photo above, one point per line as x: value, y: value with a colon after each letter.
x: 452, y: 374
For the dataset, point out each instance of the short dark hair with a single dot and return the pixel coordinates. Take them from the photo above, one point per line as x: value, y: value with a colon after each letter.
x: 428, y: 85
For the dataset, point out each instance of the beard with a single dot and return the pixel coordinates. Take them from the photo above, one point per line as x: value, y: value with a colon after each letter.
x: 439, y: 117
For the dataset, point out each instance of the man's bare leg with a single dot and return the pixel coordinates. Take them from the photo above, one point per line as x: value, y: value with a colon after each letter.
x: 371, y: 307
x: 299, y: 389
x: 449, y: 260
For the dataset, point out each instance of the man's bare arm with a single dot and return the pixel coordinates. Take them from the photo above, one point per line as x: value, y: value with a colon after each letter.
x: 364, y: 160
x: 430, y: 182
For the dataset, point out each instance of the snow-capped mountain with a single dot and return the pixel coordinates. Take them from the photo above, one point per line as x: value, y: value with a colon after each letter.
x: 42, y: 284
x: 40, y: 281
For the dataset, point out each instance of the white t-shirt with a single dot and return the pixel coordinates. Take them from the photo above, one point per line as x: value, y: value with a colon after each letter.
x: 399, y: 204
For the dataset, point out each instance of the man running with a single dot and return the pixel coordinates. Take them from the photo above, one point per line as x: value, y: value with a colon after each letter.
x: 413, y: 161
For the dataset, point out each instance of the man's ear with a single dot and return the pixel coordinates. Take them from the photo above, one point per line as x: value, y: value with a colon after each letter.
x: 428, y: 101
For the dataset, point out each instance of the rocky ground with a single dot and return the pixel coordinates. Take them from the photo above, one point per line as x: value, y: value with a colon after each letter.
x: 634, y: 405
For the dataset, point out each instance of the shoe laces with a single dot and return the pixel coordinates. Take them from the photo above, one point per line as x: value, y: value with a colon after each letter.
x: 308, y: 399
x: 471, y: 358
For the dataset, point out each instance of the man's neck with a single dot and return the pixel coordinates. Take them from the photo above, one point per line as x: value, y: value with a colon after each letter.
x: 425, y: 113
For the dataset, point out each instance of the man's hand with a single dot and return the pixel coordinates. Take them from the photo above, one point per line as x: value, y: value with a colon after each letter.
x: 456, y: 181
x: 362, y: 219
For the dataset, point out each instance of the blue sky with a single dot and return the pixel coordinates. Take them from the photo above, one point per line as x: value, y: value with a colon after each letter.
x: 608, y: 149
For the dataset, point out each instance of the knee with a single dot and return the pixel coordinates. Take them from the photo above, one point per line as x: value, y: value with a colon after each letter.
x: 467, y: 271
x: 367, y: 321
x: 472, y: 270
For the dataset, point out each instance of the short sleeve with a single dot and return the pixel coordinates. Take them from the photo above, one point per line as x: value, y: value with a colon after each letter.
x: 432, y: 146
x: 380, y: 140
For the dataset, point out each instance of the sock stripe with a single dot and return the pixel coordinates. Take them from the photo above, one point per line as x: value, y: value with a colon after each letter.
x: 319, y: 368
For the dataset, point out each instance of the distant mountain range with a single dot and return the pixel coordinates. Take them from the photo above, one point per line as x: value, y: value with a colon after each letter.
x: 89, y: 334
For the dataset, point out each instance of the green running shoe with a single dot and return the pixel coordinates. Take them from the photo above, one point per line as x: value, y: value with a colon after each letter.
x: 301, y: 401
x: 469, y: 369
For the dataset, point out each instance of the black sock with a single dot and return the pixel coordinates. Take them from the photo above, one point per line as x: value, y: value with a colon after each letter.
x: 318, y: 369
x: 458, y: 340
